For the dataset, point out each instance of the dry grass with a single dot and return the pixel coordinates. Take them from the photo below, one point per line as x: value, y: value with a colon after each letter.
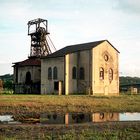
x: 102, y: 131
x: 50, y: 103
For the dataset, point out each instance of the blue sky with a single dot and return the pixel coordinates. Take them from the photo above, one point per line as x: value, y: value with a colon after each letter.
x: 71, y: 22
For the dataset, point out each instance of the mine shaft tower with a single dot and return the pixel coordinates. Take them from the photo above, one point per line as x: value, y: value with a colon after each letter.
x: 40, y: 39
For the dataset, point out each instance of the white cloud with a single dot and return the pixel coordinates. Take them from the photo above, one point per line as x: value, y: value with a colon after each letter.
x: 130, y: 6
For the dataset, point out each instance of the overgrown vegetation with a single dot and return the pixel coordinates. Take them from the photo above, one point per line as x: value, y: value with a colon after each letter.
x: 7, y: 81
x: 102, y: 131
x: 36, y: 104
x: 74, y: 103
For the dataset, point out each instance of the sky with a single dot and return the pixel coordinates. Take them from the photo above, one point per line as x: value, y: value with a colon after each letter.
x: 71, y: 22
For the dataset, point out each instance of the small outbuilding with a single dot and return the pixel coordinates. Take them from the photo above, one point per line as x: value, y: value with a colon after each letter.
x: 27, y: 75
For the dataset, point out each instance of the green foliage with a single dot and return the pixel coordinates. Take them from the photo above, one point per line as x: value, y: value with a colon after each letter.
x: 7, y: 77
x: 129, y: 80
x: 7, y: 83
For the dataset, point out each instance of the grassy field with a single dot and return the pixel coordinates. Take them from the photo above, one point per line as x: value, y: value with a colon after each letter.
x: 102, y: 131
x: 20, y: 104
x: 14, y: 104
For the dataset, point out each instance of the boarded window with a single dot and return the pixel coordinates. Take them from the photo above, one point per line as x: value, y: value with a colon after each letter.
x: 55, y: 73
x: 49, y: 73
x: 56, y: 85
x: 110, y: 74
x: 101, y: 74
x: 74, y: 73
x: 82, y: 73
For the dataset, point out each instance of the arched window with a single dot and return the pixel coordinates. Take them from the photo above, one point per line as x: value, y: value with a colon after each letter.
x: 74, y: 73
x: 49, y: 73
x: 55, y: 73
x: 82, y: 73
x: 28, y: 78
x: 110, y: 74
x: 101, y: 116
x: 101, y: 74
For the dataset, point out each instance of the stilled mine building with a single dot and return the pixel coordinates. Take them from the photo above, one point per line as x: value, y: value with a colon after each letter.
x: 87, y: 68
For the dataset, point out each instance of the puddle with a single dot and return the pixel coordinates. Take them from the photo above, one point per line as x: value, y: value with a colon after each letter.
x: 6, y: 118
x: 68, y: 118
x: 129, y: 116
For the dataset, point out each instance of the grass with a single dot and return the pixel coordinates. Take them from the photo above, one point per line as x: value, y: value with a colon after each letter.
x: 20, y: 104
x: 14, y: 104
x: 117, y: 131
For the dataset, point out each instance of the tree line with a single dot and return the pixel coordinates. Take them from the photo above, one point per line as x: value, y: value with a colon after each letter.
x: 124, y: 80
x: 129, y: 80
x: 7, y: 80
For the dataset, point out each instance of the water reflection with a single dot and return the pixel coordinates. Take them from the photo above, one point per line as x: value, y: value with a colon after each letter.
x: 74, y: 118
x: 69, y: 118
x: 6, y: 118
x: 105, y: 117
x: 129, y: 116
x: 50, y: 118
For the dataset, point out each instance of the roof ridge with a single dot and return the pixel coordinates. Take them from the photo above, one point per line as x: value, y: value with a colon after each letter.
x: 76, y: 47
x: 80, y: 44
x: 87, y: 43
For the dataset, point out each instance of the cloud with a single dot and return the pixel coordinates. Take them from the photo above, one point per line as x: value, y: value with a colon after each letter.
x: 130, y: 6
x: 6, y: 68
x: 71, y: 22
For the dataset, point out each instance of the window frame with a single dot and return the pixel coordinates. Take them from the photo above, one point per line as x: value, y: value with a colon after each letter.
x: 101, y: 73
x: 82, y: 73
x: 49, y: 73
x: 55, y: 73
x: 110, y: 74
x: 28, y: 78
x: 74, y: 73
x: 56, y: 85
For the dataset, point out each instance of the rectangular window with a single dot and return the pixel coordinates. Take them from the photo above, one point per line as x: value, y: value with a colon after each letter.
x: 56, y: 85
x: 74, y: 72
x: 82, y: 73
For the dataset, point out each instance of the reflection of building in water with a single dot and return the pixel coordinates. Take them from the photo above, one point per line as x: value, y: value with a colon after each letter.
x: 103, y: 117
x: 75, y: 118
x: 71, y: 118
x: 68, y: 118
x: 47, y: 118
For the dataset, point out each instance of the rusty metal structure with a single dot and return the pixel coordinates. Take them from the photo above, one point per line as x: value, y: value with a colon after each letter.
x: 41, y: 44
x: 27, y: 73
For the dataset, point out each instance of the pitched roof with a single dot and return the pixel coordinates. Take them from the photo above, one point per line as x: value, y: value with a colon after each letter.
x: 29, y: 62
x: 78, y: 47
